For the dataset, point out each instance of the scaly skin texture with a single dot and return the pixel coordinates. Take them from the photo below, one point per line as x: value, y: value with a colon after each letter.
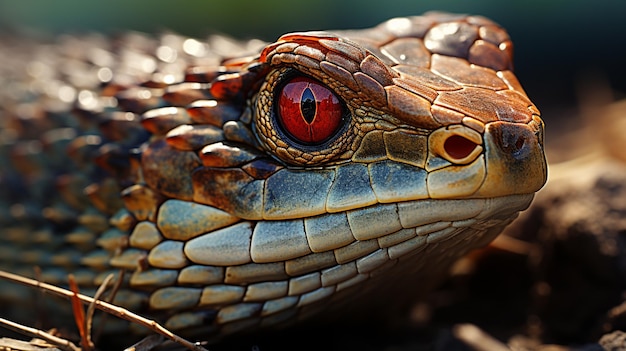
x: 168, y: 159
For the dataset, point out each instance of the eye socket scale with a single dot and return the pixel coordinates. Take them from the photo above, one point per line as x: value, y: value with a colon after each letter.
x: 458, y: 147
x: 309, y: 112
x: 457, y: 144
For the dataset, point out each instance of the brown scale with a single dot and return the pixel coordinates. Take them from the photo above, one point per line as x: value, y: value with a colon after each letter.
x: 211, y: 112
x: 160, y: 121
x: 83, y: 185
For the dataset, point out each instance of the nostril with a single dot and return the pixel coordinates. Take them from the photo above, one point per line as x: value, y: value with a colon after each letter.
x: 515, y: 142
x: 520, y: 143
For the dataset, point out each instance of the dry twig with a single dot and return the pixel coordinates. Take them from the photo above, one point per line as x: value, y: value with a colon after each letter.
x: 477, y: 339
x: 147, y: 343
x: 36, y: 333
x: 106, y: 307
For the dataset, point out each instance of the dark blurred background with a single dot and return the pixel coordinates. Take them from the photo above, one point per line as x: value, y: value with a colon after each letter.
x: 559, y: 43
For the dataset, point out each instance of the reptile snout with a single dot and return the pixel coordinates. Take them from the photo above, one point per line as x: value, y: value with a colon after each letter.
x: 514, y: 158
x: 514, y: 142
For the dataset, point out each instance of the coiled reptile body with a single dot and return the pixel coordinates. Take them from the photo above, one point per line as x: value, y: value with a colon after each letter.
x: 243, y: 192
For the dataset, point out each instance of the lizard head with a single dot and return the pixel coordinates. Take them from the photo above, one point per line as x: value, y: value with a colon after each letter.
x: 329, y: 157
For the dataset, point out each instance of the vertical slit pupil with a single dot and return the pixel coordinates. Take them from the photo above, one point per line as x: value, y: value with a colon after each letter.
x: 308, y: 106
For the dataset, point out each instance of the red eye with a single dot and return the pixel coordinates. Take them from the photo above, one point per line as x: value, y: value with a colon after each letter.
x: 308, y: 111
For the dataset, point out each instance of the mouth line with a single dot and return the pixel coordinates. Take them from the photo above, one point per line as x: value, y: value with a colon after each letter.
x: 430, y: 221
x: 422, y: 212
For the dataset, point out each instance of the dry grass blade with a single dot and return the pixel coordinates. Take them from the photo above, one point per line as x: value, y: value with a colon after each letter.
x: 109, y: 299
x: 92, y: 307
x: 36, y: 333
x: 106, y: 307
x: 79, y: 315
